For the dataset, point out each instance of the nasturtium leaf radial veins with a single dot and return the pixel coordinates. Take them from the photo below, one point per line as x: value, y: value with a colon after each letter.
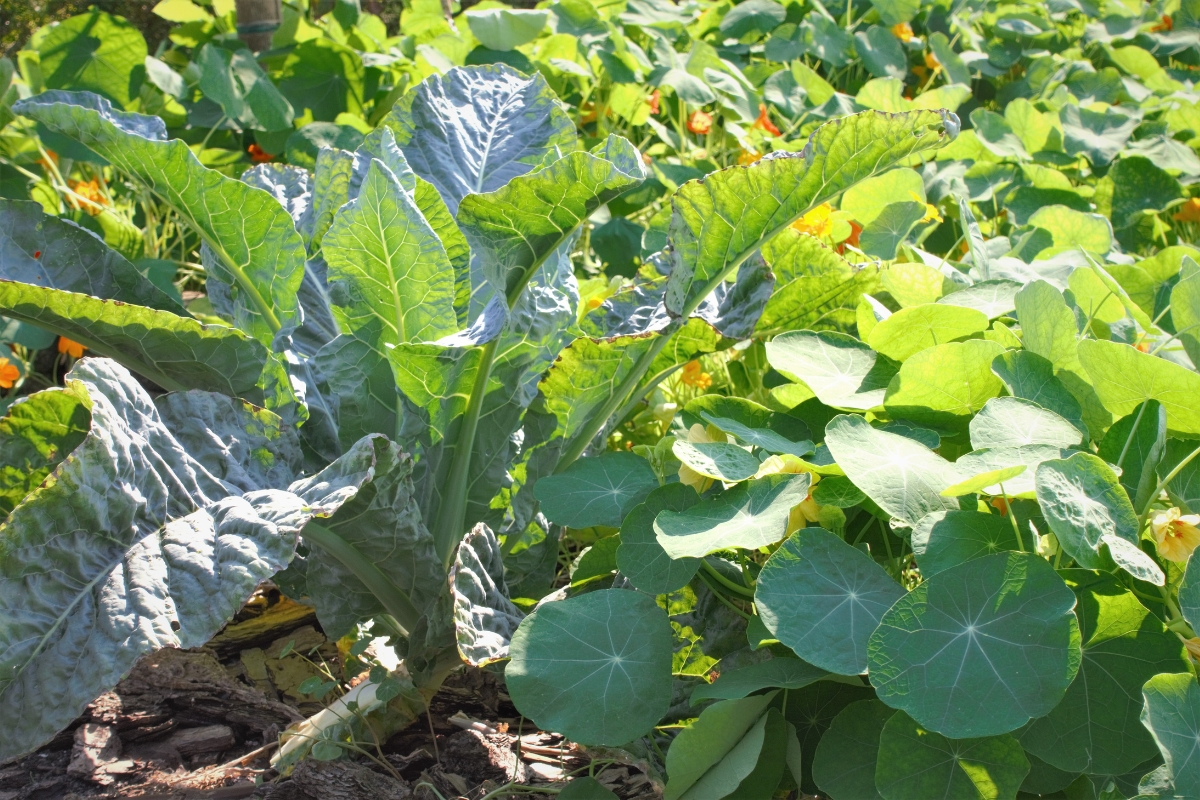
x: 978, y: 649
x: 596, y: 667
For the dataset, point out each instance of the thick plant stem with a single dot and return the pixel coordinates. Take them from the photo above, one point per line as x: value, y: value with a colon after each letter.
x: 453, y: 511
x: 451, y: 517
x: 395, y: 601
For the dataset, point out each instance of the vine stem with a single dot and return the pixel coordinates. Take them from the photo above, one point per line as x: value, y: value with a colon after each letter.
x: 1163, y: 484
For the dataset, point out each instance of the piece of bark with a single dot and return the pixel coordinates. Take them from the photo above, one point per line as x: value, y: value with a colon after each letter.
x: 95, y: 747
x: 338, y: 780
x: 206, y: 739
x: 192, y: 687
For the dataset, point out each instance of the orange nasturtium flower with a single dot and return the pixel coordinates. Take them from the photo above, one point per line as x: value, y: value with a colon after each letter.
x: 258, y: 155
x: 693, y: 375
x: 818, y: 222
x: 932, y: 63
x: 748, y: 157
x: 903, y: 31
x: 855, y: 230
x: 89, y: 190
x: 700, y: 123
x: 764, y: 122
x: 1167, y: 24
x: 8, y: 374
x: 1176, y: 535
x: 70, y: 347
x: 652, y: 101
x: 1189, y: 211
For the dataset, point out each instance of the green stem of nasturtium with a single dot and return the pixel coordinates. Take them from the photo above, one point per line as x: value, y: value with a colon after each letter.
x: 1132, y: 432
x: 1012, y: 517
x: 721, y: 579
x: 724, y: 600
x: 1163, y: 484
x: 394, y: 600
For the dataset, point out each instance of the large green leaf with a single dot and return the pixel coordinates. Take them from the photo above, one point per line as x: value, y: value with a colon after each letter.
x: 978, y: 649
x: 1083, y: 503
x: 823, y: 598
x: 1172, y: 714
x: 133, y: 546
x: 945, y: 539
x: 94, y: 52
x: 36, y: 434
x: 47, y: 251
x: 233, y: 80
x: 261, y: 257
x: 174, y: 352
x: 485, y: 619
x: 814, y: 286
x: 752, y: 514
x: 596, y: 491
x: 1125, y: 378
x: 378, y: 516
x: 1124, y: 645
x: 514, y: 228
x: 911, y: 330
x: 841, y: 371
x: 902, y: 476
x: 476, y: 128
x: 596, y: 667
x: 1030, y: 376
x: 945, y: 385
x: 640, y: 557
x: 716, y: 732
x: 1015, y: 422
x: 324, y: 78
x: 916, y: 763
x: 754, y: 766
x: 719, y: 222
x: 844, y: 764
x: 390, y: 280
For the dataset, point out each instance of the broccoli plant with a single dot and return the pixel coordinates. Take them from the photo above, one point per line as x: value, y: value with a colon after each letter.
x: 403, y: 379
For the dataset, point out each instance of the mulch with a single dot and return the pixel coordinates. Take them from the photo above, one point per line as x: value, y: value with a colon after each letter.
x: 202, y: 724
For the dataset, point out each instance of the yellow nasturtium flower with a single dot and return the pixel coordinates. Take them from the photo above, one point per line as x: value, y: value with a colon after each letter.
x: 1176, y: 535
x: 808, y: 510
x: 931, y: 211
x: 818, y: 222
x: 903, y: 31
x: 693, y: 375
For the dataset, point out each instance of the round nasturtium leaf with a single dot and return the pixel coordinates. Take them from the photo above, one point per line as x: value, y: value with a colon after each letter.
x: 640, y: 557
x: 94, y: 52
x: 944, y: 386
x: 598, y: 490
x: 1092, y: 729
x: 916, y: 763
x: 844, y: 764
x: 1172, y: 714
x: 721, y: 461
x: 1189, y: 592
x: 946, y: 539
x: 596, y: 667
x: 1013, y: 421
x: 1083, y: 501
x: 842, y: 371
x: 823, y: 598
x: 978, y: 649
x: 911, y: 330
